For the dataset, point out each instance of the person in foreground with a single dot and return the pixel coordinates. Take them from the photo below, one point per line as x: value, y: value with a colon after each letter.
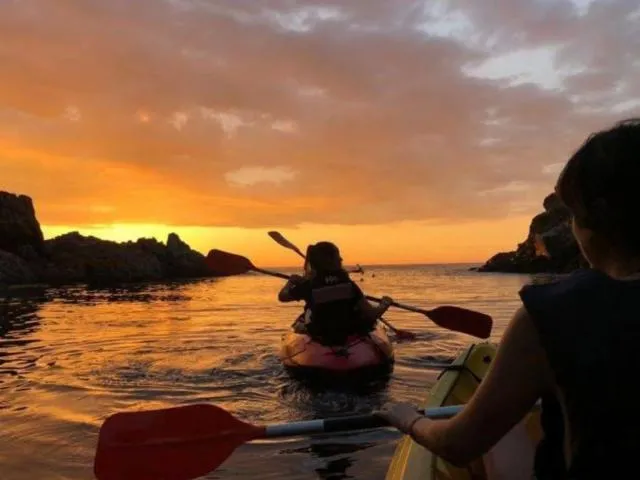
x: 335, y: 307
x: 574, y: 341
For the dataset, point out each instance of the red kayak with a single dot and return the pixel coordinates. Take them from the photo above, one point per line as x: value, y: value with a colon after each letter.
x: 373, y: 351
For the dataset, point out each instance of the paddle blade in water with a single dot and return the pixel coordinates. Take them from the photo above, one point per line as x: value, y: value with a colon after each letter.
x: 462, y: 320
x: 224, y: 263
x: 178, y: 443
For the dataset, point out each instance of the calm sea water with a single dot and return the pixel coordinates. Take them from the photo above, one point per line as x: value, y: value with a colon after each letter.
x: 71, y: 357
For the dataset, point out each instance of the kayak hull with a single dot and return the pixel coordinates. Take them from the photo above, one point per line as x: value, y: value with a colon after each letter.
x: 455, y: 386
x: 300, y: 354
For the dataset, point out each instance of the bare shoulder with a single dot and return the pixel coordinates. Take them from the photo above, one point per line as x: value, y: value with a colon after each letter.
x: 519, y: 373
x: 518, y: 376
x: 521, y: 340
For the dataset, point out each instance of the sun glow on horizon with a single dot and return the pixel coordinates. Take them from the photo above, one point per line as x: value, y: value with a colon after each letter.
x: 397, y: 243
x: 138, y: 119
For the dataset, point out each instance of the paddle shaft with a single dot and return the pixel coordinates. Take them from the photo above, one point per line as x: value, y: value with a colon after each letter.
x: 368, y: 297
x: 343, y: 424
x: 356, y: 422
x: 374, y: 299
x: 308, y: 427
x: 287, y: 244
x: 283, y: 242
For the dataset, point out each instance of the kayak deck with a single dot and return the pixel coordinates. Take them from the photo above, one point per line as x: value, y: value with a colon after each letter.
x: 455, y: 386
x: 299, y: 351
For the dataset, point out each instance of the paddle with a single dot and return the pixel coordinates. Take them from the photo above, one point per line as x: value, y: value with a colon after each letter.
x: 280, y: 240
x: 186, y: 442
x: 457, y: 319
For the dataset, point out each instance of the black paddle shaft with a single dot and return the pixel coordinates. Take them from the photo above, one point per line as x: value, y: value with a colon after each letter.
x: 373, y: 299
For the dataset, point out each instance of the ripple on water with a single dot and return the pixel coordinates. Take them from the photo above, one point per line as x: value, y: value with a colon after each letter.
x: 71, y: 357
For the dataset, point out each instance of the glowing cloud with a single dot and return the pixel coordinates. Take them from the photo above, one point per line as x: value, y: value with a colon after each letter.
x: 248, y: 176
x: 171, y: 111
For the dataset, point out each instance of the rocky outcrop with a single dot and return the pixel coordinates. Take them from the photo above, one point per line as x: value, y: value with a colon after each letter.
x: 549, y: 247
x: 25, y: 257
x: 19, y: 228
x: 75, y: 258
x: 14, y: 269
x: 182, y: 261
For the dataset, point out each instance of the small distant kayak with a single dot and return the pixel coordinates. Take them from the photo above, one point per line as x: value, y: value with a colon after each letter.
x: 300, y: 353
x: 455, y: 386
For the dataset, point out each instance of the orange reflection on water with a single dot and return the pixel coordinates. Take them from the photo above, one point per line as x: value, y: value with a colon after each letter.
x: 71, y: 357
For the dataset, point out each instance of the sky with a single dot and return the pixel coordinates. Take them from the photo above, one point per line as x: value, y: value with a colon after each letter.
x: 404, y: 131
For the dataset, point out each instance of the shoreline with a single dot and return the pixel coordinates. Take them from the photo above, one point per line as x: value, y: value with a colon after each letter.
x: 549, y: 247
x: 27, y: 258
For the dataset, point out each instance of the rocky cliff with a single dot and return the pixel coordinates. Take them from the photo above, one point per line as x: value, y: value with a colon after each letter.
x: 26, y: 257
x: 549, y: 247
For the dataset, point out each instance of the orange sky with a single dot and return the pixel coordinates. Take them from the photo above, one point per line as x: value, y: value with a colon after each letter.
x: 403, y: 132
x: 403, y: 242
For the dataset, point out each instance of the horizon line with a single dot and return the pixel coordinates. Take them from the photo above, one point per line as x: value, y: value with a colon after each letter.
x: 410, y: 264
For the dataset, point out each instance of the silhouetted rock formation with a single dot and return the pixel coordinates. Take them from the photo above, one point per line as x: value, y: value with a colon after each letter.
x: 19, y: 228
x: 14, y: 269
x: 25, y: 257
x: 551, y: 228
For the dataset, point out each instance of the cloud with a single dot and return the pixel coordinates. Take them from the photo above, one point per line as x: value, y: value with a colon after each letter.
x: 248, y: 176
x: 553, y: 168
x: 119, y: 111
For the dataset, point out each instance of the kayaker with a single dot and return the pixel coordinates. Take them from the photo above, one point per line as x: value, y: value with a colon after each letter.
x: 573, y: 341
x: 335, y: 306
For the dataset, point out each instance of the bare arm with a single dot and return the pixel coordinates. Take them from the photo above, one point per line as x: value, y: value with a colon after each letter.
x: 286, y: 295
x: 518, y: 376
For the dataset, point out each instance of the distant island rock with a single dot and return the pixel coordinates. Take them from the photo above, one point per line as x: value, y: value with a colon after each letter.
x: 26, y: 257
x: 551, y: 228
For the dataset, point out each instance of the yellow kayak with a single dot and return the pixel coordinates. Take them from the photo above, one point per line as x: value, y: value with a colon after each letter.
x: 455, y: 386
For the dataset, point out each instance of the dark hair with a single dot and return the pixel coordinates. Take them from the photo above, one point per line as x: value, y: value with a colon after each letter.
x: 324, y: 257
x: 599, y: 184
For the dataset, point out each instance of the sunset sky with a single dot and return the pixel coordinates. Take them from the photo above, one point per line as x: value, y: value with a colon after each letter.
x: 404, y: 131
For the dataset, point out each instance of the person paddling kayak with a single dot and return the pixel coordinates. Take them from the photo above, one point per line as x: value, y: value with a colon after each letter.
x: 335, y: 306
x: 573, y: 341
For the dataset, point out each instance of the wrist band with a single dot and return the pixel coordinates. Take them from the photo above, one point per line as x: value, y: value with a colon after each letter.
x: 412, y: 424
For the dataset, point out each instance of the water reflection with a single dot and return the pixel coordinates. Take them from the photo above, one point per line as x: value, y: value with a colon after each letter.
x: 19, y: 320
x: 70, y: 357
x: 150, y: 292
x: 336, y: 457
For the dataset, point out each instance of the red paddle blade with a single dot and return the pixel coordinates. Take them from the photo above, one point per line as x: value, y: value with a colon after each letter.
x: 224, y: 263
x: 462, y: 320
x: 178, y: 443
